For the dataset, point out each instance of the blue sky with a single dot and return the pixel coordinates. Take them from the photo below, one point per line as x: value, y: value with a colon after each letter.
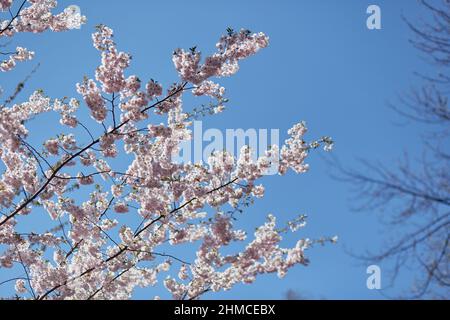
x: 322, y: 66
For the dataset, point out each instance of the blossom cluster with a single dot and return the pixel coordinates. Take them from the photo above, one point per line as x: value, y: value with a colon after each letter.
x: 34, y: 16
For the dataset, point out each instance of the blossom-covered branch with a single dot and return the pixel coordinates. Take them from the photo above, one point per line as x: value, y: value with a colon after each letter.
x: 34, y: 16
x: 121, y: 236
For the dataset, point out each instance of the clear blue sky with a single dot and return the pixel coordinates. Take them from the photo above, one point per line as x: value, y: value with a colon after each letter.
x: 322, y: 66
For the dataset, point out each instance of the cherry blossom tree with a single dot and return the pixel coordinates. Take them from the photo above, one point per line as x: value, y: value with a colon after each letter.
x: 121, y: 234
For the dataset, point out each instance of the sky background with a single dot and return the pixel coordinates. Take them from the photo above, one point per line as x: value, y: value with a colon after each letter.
x: 322, y: 66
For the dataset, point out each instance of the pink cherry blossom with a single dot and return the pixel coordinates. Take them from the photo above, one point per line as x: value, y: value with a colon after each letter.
x: 93, y: 99
x: 121, y: 207
x: 5, y: 4
x: 35, y: 16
